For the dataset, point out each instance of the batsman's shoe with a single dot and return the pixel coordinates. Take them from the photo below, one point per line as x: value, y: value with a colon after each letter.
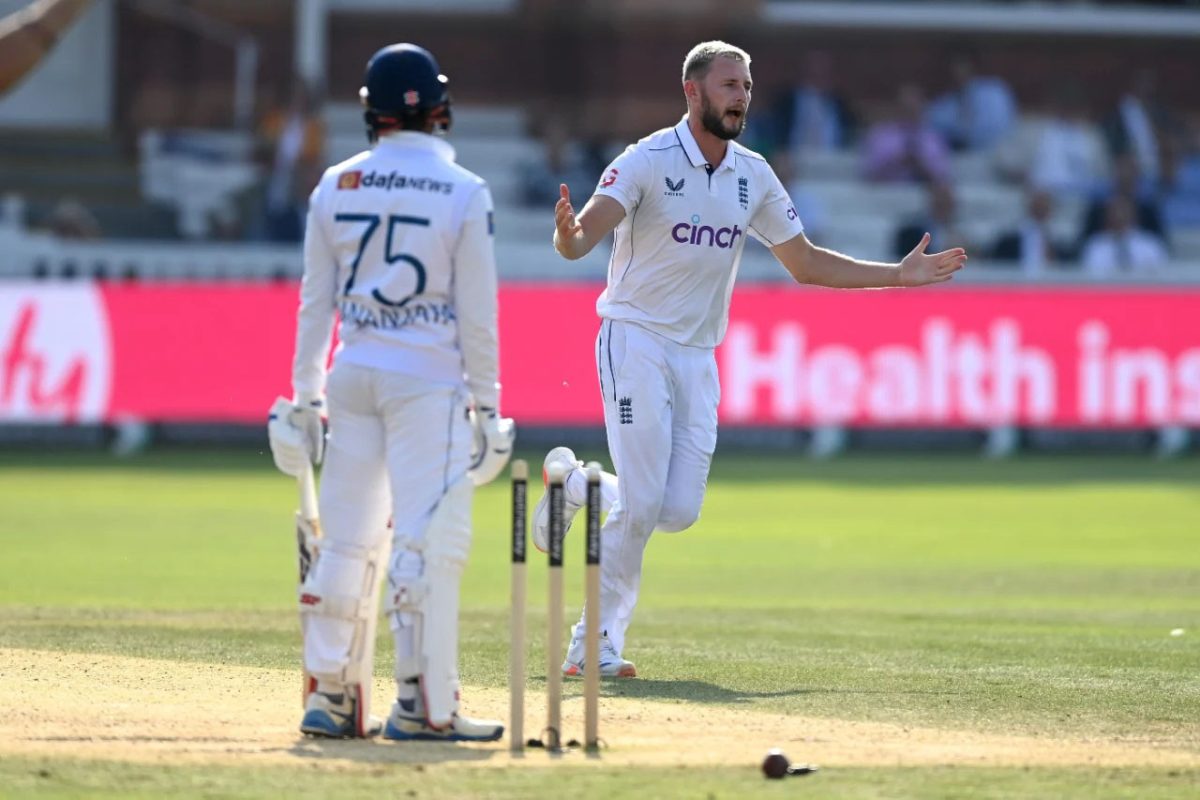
x: 334, y: 716
x: 541, y: 513
x: 402, y: 725
x: 611, y: 664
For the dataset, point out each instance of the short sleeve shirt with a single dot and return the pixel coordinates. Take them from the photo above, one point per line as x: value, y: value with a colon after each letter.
x: 676, y: 253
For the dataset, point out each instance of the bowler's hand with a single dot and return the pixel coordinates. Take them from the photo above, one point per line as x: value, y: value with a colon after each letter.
x: 566, y: 227
x: 920, y: 268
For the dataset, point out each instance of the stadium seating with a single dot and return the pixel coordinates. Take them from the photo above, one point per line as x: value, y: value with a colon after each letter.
x: 185, y: 177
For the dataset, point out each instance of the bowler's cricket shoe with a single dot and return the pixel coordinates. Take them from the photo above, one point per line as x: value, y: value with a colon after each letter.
x: 611, y: 664
x: 541, y: 513
x: 403, y: 724
x: 334, y: 716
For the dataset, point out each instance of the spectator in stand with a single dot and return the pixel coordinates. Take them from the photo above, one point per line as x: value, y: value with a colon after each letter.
x: 906, y: 148
x: 1140, y: 126
x: 225, y: 224
x: 295, y: 140
x: 1122, y: 248
x: 977, y: 112
x: 940, y: 221
x: 562, y: 161
x: 813, y: 115
x: 1181, y: 204
x: 71, y: 219
x: 1032, y: 245
x: 1063, y: 153
x: 1141, y: 190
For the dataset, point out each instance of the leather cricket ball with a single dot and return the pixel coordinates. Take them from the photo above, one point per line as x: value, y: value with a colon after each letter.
x: 776, y: 764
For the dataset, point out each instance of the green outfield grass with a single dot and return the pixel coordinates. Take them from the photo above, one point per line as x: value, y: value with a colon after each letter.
x: 1034, y: 596
x: 29, y: 777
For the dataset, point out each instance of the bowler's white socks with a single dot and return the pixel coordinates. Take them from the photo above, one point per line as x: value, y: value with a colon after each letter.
x: 575, y: 489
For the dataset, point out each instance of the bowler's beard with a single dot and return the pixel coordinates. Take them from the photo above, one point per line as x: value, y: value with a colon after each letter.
x: 714, y: 121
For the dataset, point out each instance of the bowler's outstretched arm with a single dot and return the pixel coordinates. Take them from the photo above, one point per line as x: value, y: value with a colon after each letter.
x: 575, y: 236
x: 808, y: 263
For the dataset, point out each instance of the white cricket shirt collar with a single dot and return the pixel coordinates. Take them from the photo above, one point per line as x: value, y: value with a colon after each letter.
x: 693, y: 150
x: 415, y: 140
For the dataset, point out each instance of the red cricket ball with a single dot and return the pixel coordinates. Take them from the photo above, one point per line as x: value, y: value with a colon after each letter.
x: 776, y: 764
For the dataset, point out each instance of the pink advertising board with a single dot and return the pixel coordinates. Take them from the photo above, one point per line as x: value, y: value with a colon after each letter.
x: 1103, y: 357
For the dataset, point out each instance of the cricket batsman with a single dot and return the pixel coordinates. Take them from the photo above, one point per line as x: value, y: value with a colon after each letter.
x: 399, y: 244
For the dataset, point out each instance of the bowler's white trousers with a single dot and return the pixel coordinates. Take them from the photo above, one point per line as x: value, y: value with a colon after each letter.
x: 396, y: 443
x: 660, y: 414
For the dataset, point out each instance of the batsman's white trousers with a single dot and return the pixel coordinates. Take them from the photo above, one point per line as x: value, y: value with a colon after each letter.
x: 660, y: 413
x: 396, y: 443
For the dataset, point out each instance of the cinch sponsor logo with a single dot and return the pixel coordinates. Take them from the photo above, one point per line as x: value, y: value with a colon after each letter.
x: 695, y: 233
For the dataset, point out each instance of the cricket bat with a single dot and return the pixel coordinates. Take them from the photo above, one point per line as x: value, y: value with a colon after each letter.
x: 308, y: 535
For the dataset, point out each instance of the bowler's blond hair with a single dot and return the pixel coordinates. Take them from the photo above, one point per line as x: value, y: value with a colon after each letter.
x: 700, y: 58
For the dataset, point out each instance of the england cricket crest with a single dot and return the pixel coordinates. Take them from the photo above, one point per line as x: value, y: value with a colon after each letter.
x: 625, y: 410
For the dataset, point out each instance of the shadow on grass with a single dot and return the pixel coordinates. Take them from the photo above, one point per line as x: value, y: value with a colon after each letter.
x: 373, y: 751
x: 888, y: 469
x: 691, y: 690
x: 381, y: 751
x: 704, y: 692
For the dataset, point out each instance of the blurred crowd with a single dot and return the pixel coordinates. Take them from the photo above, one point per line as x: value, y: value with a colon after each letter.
x: 1132, y: 170
x: 1104, y: 187
x: 1129, y: 175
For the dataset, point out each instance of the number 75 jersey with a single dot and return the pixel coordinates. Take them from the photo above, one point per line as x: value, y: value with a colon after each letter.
x: 399, y: 244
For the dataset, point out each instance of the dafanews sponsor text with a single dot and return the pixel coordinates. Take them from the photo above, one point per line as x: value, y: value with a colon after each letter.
x: 391, y: 181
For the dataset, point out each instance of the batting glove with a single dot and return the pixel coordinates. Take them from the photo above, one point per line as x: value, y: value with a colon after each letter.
x: 492, y: 445
x: 309, y: 416
x: 296, y: 434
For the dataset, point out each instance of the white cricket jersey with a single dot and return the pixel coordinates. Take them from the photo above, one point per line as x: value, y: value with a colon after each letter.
x: 399, y: 244
x: 676, y: 252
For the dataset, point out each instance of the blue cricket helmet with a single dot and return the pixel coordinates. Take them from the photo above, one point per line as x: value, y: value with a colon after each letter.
x: 403, y: 84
